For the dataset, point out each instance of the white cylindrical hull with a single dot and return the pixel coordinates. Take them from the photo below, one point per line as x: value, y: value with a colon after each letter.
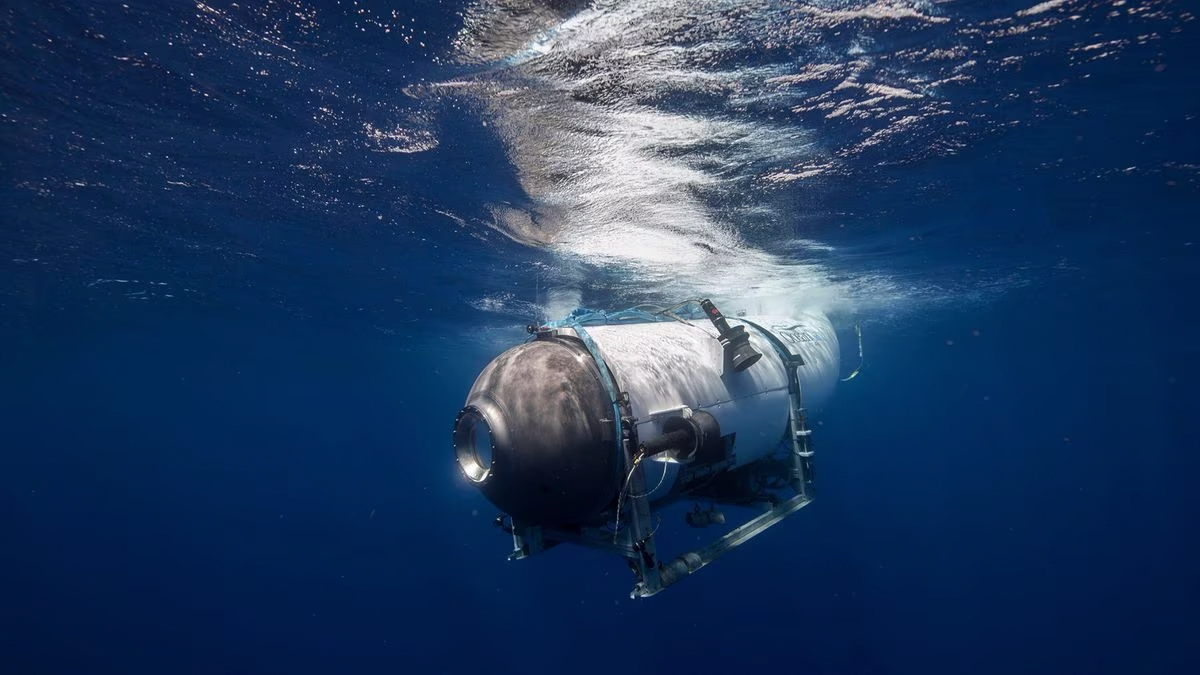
x: 671, y: 366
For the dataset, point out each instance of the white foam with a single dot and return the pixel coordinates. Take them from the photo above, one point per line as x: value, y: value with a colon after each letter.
x: 618, y: 177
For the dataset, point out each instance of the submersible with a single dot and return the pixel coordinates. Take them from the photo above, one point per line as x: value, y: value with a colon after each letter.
x: 587, y: 431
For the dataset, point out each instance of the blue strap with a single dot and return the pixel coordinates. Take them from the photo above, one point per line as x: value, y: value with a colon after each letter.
x: 609, y: 386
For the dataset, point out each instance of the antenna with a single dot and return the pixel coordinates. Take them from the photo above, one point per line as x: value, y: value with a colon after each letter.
x: 537, y: 292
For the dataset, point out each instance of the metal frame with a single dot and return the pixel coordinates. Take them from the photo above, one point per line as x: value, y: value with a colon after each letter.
x: 634, y: 539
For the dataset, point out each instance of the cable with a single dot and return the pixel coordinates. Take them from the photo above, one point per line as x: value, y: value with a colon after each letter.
x: 677, y: 305
x: 625, y: 488
x: 852, y: 375
x: 655, y: 489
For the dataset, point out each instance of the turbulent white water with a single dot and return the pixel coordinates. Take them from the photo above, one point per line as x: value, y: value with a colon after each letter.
x: 674, y: 142
x: 844, y: 154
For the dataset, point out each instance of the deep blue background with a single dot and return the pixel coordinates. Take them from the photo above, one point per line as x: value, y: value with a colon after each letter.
x: 254, y: 476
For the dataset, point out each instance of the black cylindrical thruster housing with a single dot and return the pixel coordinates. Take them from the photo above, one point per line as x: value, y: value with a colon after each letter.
x: 544, y: 418
x: 697, y: 437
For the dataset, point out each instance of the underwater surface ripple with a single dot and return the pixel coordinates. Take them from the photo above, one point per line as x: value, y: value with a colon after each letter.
x: 699, y: 143
x: 213, y: 148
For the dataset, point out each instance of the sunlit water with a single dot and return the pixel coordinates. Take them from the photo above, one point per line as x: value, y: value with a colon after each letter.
x: 769, y: 154
x: 253, y: 254
x: 689, y: 145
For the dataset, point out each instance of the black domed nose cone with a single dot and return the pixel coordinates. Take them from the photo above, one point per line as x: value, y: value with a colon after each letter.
x: 536, y: 434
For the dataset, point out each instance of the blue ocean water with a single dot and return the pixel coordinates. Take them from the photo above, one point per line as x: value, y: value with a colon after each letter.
x: 253, y: 255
